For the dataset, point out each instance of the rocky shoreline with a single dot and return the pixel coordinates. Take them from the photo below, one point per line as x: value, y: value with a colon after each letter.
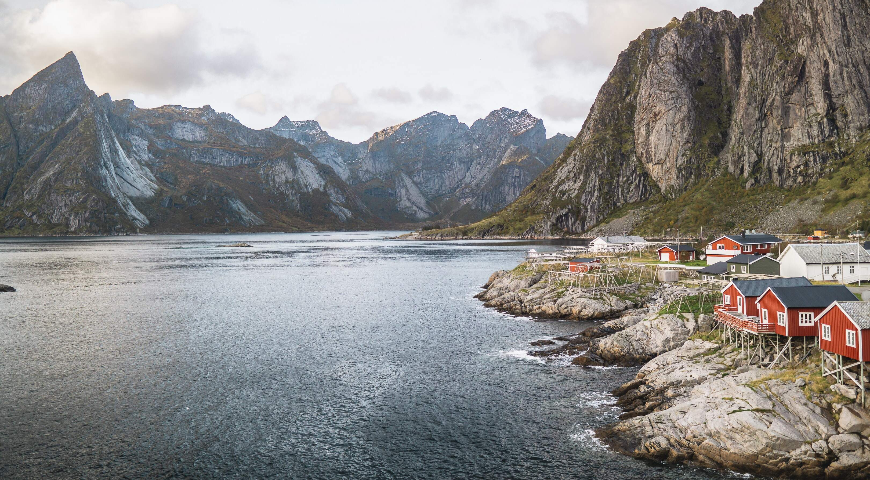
x: 694, y: 400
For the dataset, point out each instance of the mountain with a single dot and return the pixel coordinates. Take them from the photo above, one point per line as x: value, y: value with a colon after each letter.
x: 435, y: 167
x: 75, y: 163
x: 718, y: 122
x: 72, y: 162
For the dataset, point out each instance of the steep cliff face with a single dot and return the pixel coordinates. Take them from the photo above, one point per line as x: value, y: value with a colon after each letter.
x: 72, y: 162
x: 435, y: 167
x: 776, y: 98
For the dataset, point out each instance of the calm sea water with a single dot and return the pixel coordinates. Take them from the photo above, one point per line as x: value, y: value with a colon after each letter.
x: 306, y: 356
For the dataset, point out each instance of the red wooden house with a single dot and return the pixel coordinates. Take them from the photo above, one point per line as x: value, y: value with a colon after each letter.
x: 668, y: 253
x: 793, y: 310
x: 729, y: 246
x: 741, y: 295
x: 844, y: 329
x: 583, y: 265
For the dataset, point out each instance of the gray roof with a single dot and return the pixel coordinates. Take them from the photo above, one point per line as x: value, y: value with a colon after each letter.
x: 619, y: 239
x: 681, y: 248
x: 816, y: 296
x: 583, y: 260
x: 754, y: 238
x: 746, y: 258
x: 754, y: 288
x: 830, y: 252
x: 717, y: 268
x: 859, y: 312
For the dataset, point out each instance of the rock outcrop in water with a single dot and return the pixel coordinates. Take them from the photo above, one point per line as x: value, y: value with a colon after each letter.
x: 691, y: 405
x: 525, y: 292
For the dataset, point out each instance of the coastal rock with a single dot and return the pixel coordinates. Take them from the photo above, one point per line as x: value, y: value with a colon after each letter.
x: 524, y: 292
x: 6, y: 288
x: 691, y: 405
x: 644, y: 340
x: 854, y: 420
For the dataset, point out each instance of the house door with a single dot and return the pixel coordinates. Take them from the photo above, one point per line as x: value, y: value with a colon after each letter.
x: 740, y: 304
x: 664, y: 257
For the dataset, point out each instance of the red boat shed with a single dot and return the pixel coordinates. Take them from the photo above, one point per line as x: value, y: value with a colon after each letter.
x: 793, y: 310
x: 668, y: 253
x: 583, y: 265
x: 844, y: 329
x: 741, y: 295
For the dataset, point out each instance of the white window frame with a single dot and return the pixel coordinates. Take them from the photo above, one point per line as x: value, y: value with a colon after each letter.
x: 803, y: 321
x: 747, y: 248
x: 764, y: 315
x: 780, y: 319
x: 826, y: 332
x: 734, y: 268
x: 742, y: 268
x: 851, y: 269
x: 836, y: 269
x: 720, y: 246
x: 726, y: 299
x: 850, y: 338
x: 827, y: 270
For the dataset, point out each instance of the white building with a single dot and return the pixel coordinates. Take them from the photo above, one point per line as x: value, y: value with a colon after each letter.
x: 839, y: 262
x: 617, y: 243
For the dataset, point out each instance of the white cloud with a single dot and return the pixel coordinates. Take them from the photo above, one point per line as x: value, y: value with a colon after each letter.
x: 433, y: 94
x: 122, y: 49
x: 563, y: 108
x: 342, y: 111
x: 393, y: 95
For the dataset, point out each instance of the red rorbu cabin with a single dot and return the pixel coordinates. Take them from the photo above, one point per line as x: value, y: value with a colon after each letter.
x: 844, y: 329
x: 729, y: 246
x: 583, y: 265
x: 793, y: 310
x: 741, y: 295
x: 668, y: 253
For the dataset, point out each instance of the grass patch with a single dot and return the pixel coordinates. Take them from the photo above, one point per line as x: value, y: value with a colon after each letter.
x: 697, y: 304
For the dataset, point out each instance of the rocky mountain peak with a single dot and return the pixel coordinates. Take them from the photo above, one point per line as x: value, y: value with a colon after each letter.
x: 305, y: 132
x: 60, y: 81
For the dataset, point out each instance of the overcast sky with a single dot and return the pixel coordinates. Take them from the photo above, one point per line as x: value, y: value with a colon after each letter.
x: 356, y: 66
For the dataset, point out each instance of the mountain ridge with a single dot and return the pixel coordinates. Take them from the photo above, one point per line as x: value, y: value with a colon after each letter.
x: 778, y: 100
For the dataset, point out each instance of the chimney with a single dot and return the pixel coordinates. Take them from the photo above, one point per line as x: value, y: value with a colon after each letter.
x: 744, y: 234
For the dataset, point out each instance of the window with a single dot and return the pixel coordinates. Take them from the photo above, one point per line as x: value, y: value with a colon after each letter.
x: 780, y: 318
x: 742, y: 268
x: 805, y: 319
x: 827, y: 270
x: 850, y: 338
x: 727, y: 300
x: 764, y: 315
x: 763, y: 245
x: 826, y: 332
x: 747, y: 248
x: 851, y: 269
x: 837, y: 269
x: 733, y: 268
x: 720, y: 246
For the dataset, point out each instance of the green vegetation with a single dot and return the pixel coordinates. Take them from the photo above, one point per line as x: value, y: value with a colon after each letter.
x: 697, y: 304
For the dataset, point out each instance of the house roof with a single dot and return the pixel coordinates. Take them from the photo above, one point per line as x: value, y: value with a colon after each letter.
x: 816, y: 296
x: 680, y: 248
x: 831, y: 252
x: 717, y: 268
x: 754, y: 288
x: 583, y: 260
x: 754, y: 238
x: 859, y: 312
x: 620, y: 239
x: 746, y: 258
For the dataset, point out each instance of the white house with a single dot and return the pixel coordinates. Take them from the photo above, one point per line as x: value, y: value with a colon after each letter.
x: 617, y: 243
x: 841, y: 262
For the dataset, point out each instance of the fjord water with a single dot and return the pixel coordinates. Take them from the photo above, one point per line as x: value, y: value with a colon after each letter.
x: 306, y: 356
